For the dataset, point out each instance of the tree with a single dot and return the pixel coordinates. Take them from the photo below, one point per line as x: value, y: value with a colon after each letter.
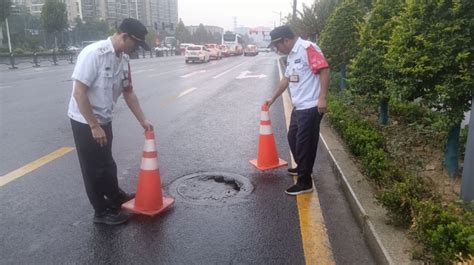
x: 201, y: 35
x: 368, y: 71
x: 5, y: 7
x: 311, y: 21
x: 24, y: 28
x: 340, y: 35
x: 54, y: 17
x: 90, y: 29
x: 182, y: 33
x: 431, y: 53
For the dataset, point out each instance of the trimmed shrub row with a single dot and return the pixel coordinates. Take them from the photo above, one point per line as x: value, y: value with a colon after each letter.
x: 446, y: 231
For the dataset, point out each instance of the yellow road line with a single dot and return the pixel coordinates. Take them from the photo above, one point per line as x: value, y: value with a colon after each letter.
x: 5, y: 179
x: 316, y: 246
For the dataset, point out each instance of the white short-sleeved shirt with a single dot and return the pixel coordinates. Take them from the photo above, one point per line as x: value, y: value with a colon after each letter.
x: 106, y: 76
x: 303, y: 64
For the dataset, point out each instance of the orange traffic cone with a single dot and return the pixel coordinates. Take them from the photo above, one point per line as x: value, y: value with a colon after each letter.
x: 148, y: 199
x: 267, y: 152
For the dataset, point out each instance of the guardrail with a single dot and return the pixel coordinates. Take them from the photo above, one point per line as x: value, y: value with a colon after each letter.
x: 12, y: 60
x: 37, y: 59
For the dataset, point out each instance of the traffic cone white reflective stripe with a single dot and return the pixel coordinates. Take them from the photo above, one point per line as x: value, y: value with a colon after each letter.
x: 149, y: 146
x: 148, y: 199
x: 266, y: 129
x: 267, y: 157
x: 264, y: 116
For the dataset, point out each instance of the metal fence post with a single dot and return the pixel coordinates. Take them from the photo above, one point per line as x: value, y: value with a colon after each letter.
x: 35, y: 60
x: 467, y: 181
x: 55, y: 59
x: 143, y: 52
x: 12, y: 61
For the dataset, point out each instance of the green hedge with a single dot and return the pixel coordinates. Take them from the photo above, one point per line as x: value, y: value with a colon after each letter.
x: 447, y: 232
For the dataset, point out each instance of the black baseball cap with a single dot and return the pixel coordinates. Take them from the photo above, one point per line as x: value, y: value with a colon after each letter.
x: 136, y: 30
x: 280, y: 33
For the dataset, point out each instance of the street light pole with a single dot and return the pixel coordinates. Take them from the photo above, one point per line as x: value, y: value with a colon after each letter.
x: 467, y: 180
x: 8, y: 36
x: 294, y: 10
x: 279, y: 13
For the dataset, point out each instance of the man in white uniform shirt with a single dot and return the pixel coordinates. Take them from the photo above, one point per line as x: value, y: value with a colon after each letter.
x: 101, y: 75
x: 307, y: 77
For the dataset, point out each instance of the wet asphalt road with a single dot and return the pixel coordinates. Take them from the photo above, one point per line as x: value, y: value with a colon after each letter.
x: 205, y: 120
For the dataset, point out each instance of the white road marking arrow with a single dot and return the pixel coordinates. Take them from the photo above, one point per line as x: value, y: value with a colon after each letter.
x: 193, y: 73
x: 246, y: 74
x: 187, y: 92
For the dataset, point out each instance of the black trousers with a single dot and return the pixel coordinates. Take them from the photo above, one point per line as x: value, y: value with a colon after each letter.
x: 303, y: 138
x: 98, y: 167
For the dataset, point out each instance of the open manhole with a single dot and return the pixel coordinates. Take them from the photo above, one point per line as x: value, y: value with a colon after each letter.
x: 212, y: 188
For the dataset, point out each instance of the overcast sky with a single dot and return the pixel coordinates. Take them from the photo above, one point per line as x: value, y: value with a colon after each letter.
x: 249, y: 13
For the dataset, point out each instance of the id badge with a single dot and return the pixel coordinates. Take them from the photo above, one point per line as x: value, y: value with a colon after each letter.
x: 294, y: 78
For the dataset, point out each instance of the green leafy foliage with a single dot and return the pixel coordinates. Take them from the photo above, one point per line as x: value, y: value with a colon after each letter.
x: 431, y: 53
x: 368, y: 73
x: 446, y: 232
x: 5, y: 7
x: 182, y: 33
x: 340, y: 34
x: 312, y: 19
x: 54, y: 16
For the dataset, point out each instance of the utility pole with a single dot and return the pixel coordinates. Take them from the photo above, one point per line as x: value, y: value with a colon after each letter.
x: 467, y: 181
x: 8, y: 36
x: 294, y: 10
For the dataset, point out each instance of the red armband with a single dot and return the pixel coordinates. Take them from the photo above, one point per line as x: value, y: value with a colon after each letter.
x: 127, y: 82
x: 316, y: 60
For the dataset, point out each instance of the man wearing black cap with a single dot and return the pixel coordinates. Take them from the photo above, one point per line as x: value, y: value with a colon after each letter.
x: 307, y: 77
x: 101, y: 75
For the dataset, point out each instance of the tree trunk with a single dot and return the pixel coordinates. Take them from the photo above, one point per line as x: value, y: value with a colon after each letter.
x: 342, y: 83
x: 383, y: 115
x: 451, y: 154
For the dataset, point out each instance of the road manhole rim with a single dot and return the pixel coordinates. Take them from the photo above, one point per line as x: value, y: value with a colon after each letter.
x: 245, y: 186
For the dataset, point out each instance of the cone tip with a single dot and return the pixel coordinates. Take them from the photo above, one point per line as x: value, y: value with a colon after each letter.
x: 265, y: 107
x: 150, y: 134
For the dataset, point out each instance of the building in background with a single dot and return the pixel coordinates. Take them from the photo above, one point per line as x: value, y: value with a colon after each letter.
x: 73, y: 7
x: 166, y: 16
x: 211, y: 29
x: 161, y: 15
x: 260, y: 36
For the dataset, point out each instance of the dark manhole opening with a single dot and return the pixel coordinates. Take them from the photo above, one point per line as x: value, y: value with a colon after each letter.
x: 212, y: 188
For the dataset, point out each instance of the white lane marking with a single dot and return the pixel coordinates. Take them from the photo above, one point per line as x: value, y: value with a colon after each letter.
x: 4, y: 87
x: 246, y: 74
x: 221, y: 74
x: 163, y: 73
x: 187, y: 91
x: 193, y: 73
x: 141, y: 71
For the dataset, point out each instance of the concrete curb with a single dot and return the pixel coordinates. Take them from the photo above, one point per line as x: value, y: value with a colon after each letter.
x: 387, y: 244
x: 370, y: 234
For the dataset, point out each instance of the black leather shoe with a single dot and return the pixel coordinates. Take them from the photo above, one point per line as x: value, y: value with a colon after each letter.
x: 111, y: 217
x: 293, y: 171
x: 125, y: 197
x: 121, y: 198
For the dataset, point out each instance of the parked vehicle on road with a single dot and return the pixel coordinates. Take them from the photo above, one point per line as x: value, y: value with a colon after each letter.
x: 214, y: 50
x: 183, y: 46
x: 224, y: 50
x: 251, y: 50
x: 197, y: 53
